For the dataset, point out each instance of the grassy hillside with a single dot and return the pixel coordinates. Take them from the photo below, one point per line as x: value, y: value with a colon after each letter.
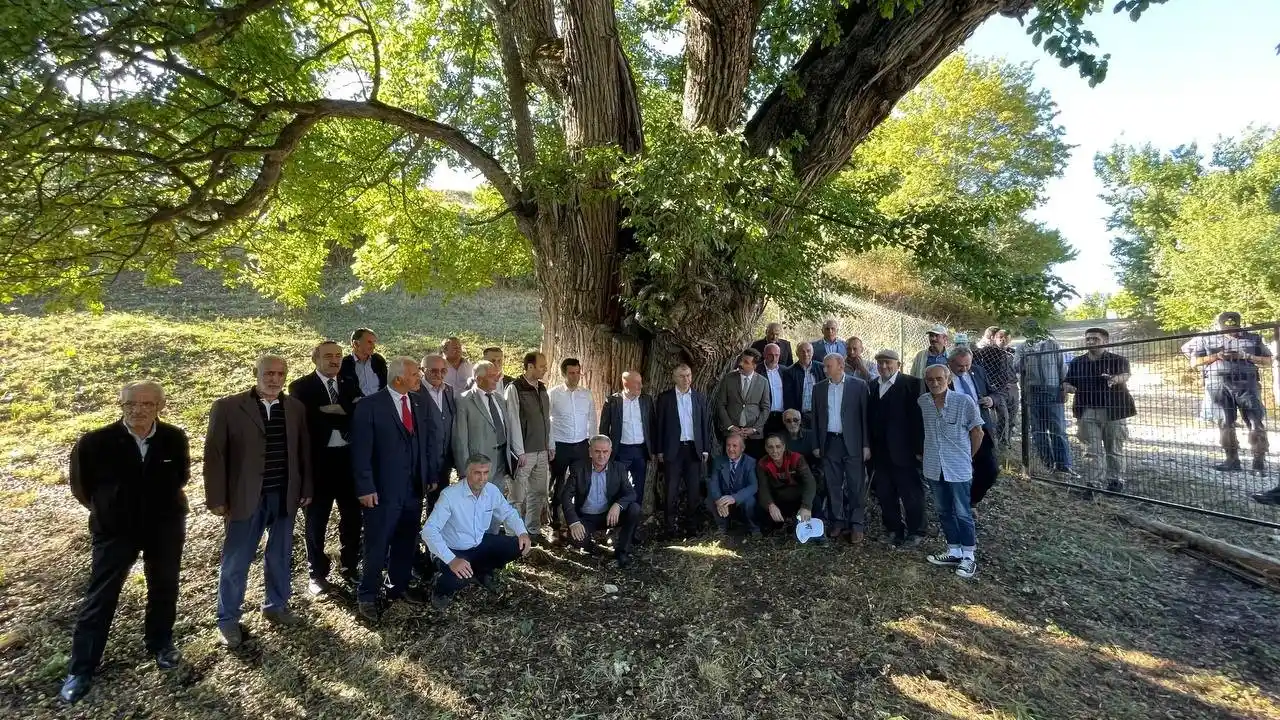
x: 1071, y: 616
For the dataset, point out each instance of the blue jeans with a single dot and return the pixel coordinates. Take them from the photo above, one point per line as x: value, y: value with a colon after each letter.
x: 952, y: 501
x: 240, y: 544
x: 1049, y: 427
x: 493, y: 553
x: 635, y: 459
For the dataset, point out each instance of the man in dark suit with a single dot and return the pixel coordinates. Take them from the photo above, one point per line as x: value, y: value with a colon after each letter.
x: 130, y: 476
x: 257, y: 473
x: 732, y: 486
x: 840, y: 415
x: 442, y: 408
x: 392, y: 464
x: 741, y: 402
x: 627, y: 420
x: 329, y: 399
x: 364, y: 368
x: 897, y: 440
x: 597, y: 495
x: 773, y: 335
x: 798, y: 380
x: 684, y: 440
x: 972, y: 380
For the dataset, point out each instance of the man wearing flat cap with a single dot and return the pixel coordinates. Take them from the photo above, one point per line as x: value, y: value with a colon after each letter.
x: 897, y: 441
x: 934, y: 354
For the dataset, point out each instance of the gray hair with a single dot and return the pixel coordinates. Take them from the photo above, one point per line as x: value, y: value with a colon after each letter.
x: 263, y: 360
x: 835, y: 355
x: 431, y: 356
x: 601, y: 439
x: 959, y: 351
x: 945, y: 370
x: 775, y: 346
x: 807, y: 344
x: 397, y: 366
x: 482, y: 368
x: 130, y: 388
x: 478, y: 458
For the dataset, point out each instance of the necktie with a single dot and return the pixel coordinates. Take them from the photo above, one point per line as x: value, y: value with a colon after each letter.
x: 967, y: 388
x: 405, y: 416
x: 498, y: 426
x: 333, y: 392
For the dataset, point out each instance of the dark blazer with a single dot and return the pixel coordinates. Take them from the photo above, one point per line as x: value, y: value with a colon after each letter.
x: 896, y: 425
x: 310, y: 390
x: 611, y: 421
x: 617, y: 489
x: 853, y: 415
x: 385, y: 458
x: 440, y: 427
x: 982, y: 384
x: 668, y: 415
x: 793, y: 383
x: 783, y: 345
x: 234, y: 449
x: 742, y: 486
x: 376, y: 361
x: 123, y: 492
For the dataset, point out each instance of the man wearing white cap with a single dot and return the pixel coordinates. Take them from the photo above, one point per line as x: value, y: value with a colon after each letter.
x: 935, y: 354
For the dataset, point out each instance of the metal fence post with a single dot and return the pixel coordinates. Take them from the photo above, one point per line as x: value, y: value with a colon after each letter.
x: 902, y: 338
x: 1024, y: 421
x: 1275, y: 366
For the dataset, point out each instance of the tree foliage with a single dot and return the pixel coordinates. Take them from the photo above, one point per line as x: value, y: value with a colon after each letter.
x: 1093, y: 306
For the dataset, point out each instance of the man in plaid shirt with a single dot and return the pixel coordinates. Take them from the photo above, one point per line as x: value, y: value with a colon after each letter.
x: 1230, y: 362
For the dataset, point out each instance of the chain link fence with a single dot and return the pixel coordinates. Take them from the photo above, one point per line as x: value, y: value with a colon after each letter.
x: 879, y: 327
x: 1178, y: 420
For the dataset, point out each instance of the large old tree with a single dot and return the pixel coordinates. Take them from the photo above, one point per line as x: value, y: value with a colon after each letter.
x: 665, y: 165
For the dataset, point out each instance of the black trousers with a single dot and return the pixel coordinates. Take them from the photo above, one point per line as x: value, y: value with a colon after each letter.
x: 684, y: 474
x: 900, y: 492
x: 333, y: 484
x: 160, y: 545
x: 567, y: 454
x: 985, y: 470
x: 788, y: 504
x: 628, y: 521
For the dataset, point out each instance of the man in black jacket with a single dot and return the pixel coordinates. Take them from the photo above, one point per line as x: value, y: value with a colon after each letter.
x: 627, y: 420
x: 597, y: 495
x: 684, y: 440
x: 329, y: 398
x: 897, y: 441
x: 364, y: 368
x: 1102, y: 406
x: 130, y: 476
x: 773, y: 336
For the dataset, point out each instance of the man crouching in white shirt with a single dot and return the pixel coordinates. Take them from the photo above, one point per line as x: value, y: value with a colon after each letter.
x: 456, y: 533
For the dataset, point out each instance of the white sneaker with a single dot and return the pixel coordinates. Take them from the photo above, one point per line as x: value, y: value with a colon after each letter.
x: 967, y: 568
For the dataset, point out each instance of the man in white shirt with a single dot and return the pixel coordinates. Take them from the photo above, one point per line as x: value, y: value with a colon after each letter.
x: 457, y: 372
x: 573, y: 422
x: 773, y: 373
x: 457, y: 533
x: 628, y: 418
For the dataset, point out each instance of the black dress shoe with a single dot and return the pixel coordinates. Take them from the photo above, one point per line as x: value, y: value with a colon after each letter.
x: 441, y: 602
x: 168, y: 658
x: 624, y: 560
x: 351, y: 575
x: 75, y: 687
x: 318, y: 586
x: 414, y: 596
x: 368, y: 611
x: 490, y: 582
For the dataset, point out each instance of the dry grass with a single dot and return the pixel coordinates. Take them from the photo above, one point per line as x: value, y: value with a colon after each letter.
x: 1072, y: 615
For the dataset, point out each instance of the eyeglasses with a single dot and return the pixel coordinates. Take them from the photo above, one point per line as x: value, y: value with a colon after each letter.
x: 791, y: 422
x: 134, y: 405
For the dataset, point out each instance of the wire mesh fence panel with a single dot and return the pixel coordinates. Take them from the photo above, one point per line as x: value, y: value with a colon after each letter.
x: 877, y: 326
x: 1180, y: 420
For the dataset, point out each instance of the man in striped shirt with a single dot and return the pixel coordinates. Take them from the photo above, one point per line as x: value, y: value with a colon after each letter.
x: 952, y: 436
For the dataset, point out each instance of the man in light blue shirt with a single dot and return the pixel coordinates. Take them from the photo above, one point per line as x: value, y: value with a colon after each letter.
x: 952, y: 436
x: 829, y: 342
x: 457, y: 534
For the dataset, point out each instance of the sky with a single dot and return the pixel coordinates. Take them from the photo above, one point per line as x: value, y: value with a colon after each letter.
x: 1189, y: 70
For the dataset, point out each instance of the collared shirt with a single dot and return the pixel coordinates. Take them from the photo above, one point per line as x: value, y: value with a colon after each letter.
x: 573, y: 414
x: 437, y: 395
x: 947, y: 450
x: 498, y: 400
x: 684, y: 408
x: 885, y: 385
x: 459, y: 376
x: 461, y: 518
x: 1229, y: 372
x: 335, y: 436
x: 835, y: 396
x: 142, y: 441
x: 632, y: 425
x: 365, y: 374
x: 806, y: 402
x: 775, y: 388
x: 395, y: 398
x: 597, y: 502
x: 268, y: 404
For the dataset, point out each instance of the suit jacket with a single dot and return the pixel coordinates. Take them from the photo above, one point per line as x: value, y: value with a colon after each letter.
x: 617, y: 489
x: 793, y: 384
x: 474, y: 432
x: 348, y: 371
x: 896, y: 425
x: 982, y: 384
x: 733, y: 407
x: 783, y: 345
x: 235, y: 447
x: 126, y: 494
x: 440, y: 423
x: 311, y: 391
x: 385, y: 458
x: 853, y: 415
x: 742, y: 485
x: 611, y: 421
x: 668, y: 440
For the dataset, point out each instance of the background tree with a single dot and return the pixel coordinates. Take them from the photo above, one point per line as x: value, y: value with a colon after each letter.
x: 661, y: 197
x: 1093, y: 306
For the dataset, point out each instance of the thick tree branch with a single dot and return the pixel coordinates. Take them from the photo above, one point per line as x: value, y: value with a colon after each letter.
x: 718, y: 44
x: 517, y: 91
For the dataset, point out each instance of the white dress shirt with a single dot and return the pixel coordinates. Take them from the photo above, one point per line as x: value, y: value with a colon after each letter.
x: 684, y: 408
x: 395, y: 399
x: 437, y: 396
x: 268, y: 404
x: 775, y: 388
x: 632, y: 425
x: 886, y: 384
x: 459, y: 376
x: 835, y: 396
x: 461, y: 518
x: 335, y: 437
x: 573, y: 414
